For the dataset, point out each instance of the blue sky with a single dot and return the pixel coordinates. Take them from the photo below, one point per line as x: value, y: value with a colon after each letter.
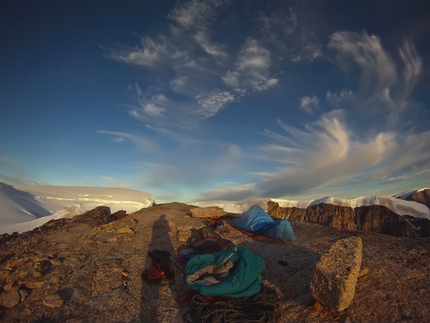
x: 201, y: 100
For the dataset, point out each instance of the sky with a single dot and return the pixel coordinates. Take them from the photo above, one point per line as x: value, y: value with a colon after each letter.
x: 209, y: 100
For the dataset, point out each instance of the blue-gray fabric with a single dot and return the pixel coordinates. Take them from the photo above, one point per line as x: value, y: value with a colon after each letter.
x: 258, y: 221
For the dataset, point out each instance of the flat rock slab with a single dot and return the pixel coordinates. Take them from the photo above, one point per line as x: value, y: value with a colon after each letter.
x: 336, y: 274
x: 207, y: 212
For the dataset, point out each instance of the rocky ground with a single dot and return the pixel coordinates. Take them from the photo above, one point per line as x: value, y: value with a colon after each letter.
x: 88, y: 269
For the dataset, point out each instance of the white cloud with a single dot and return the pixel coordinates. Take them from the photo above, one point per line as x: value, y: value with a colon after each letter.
x: 144, y: 143
x: 194, y: 14
x: 308, y: 104
x: 380, y: 76
x: 179, y: 84
x: 337, y: 99
x: 278, y: 24
x: 211, y: 48
x: 291, y: 33
x: 148, y: 54
x: 212, y: 102
x: 190, y: 63
x: 252, y: 68
x: 327, y: 151
x: 412, y: 69
x: 253, y: 59
x: 260, y: 86
x: 226, y: 192
x: 377, y: 67
x: 232, y: 79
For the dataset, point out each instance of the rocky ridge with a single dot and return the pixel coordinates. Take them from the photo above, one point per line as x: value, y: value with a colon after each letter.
x: 375, y: 218
x: 87, y: 269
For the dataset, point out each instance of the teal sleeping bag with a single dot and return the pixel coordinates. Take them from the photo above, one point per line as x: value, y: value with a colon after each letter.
x: 258, y: 221
x: 234, y: 273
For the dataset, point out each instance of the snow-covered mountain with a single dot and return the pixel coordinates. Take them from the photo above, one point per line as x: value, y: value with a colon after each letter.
x: 396, y: 203
x: 26, y: 207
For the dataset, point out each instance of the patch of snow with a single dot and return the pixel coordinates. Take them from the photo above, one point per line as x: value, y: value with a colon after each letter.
x: 26, y: 207
x: 233, y: 206
x: 399, y: 206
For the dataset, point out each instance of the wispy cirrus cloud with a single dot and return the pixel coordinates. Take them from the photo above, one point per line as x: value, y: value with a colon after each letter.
x: 385, y: 83
x: 292, y: 34
x: 144, y: 143
x: 327, y: 152
x: 308, y: 104
x: 208, y: 75
x: 253, y: 64
x: 211, y: 103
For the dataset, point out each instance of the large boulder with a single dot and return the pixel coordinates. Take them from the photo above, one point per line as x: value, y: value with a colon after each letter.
x: 336, y: 273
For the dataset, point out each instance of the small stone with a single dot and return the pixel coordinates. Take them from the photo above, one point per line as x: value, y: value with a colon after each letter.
x: 125, y: 231
x: 27, y: 311
x: 114, y: 239
x: 53, y: 301
x: 19, y: 262
x: 37, y: 274
x: 8, y: 286
x: 23, y: 293
x: 33, y: 285
x: 56, y: 262
x: 10, y: 298
x: 318, y: 307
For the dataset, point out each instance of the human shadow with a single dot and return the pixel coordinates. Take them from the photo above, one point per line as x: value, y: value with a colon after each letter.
x: 152, y: 294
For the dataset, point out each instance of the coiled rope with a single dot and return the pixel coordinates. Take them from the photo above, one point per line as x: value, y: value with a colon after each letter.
x: 258, y: 308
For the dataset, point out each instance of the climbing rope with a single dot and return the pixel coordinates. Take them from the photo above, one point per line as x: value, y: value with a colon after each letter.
x: 256, y: 309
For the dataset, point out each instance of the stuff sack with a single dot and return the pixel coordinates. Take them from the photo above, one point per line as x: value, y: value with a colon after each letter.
x: 233, y: 273
x: 258, y: 221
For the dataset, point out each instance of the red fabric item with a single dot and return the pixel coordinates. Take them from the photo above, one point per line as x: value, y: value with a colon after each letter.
x: 258, y: 237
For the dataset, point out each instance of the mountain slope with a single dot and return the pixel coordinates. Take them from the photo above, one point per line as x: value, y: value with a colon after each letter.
x: 26, y: 207
x: 18, y: 206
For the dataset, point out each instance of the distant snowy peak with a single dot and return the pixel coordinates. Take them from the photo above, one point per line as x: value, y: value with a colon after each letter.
x: 410, y: 206
x: 402, y: 204
x: 57, y: 198
x: 18, y: 206
x: 26, y: 207
x: 406, y: 194
x: 420, y: 195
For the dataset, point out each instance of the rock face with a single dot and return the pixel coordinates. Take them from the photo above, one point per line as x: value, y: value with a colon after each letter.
x: 374, y: 218
x: 88, y: 269
x: 333, y: 283
x: 422, y: 197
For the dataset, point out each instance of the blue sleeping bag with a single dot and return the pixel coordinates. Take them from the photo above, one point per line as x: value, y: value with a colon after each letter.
x: 234, y: 273
x: 258, y: 221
